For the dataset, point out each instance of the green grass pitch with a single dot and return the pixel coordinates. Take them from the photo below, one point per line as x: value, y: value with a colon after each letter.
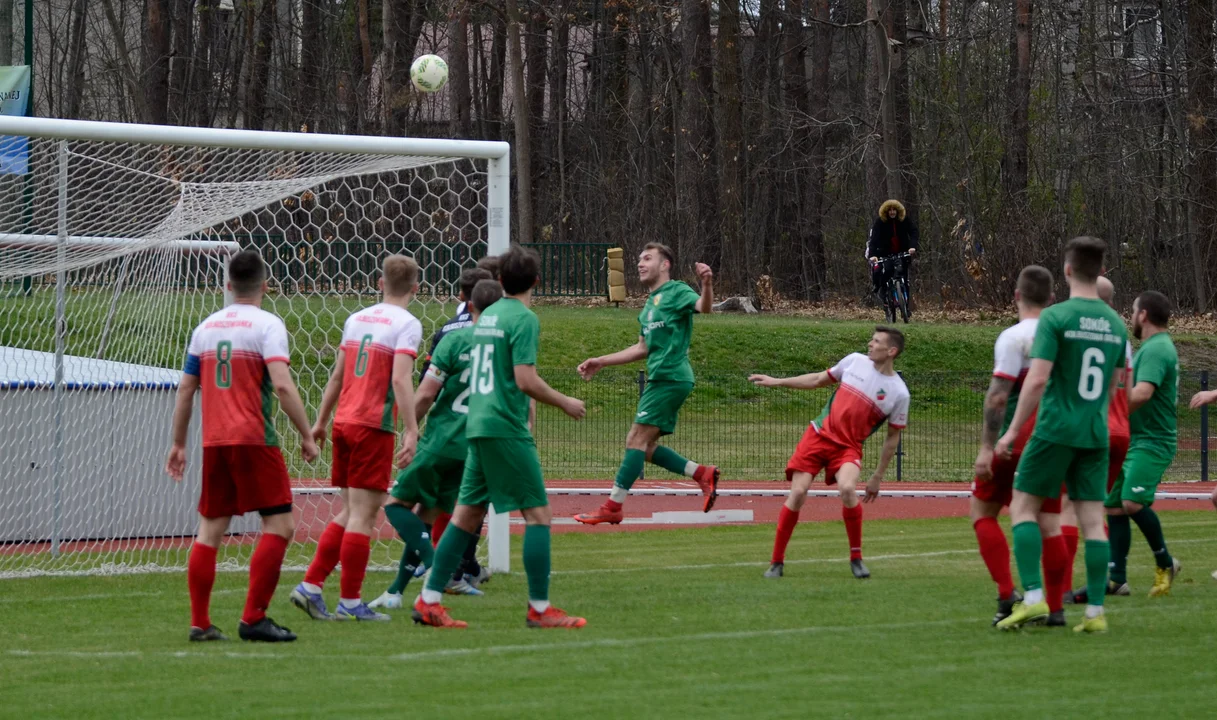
x: 680, y: 624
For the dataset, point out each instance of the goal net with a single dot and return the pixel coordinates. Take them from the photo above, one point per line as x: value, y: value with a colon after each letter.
x: 113, y: 243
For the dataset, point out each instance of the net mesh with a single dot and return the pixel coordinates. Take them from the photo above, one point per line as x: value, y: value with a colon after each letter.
x: 148, y: 227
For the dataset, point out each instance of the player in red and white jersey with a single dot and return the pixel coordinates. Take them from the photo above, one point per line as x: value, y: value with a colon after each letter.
x: 869, y: 393
x: 372, y: 385
x: 238, y: 357
x: 993, y: 485
x: 1118, y: 439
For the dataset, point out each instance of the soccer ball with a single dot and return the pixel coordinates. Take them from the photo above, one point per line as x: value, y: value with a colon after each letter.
x: 429, y: 73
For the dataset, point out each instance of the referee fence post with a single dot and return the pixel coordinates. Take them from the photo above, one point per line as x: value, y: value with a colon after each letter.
x: 1204, y: 430
x: 642, y: 386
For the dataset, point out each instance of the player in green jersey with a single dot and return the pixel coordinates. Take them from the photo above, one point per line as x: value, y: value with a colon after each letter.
x: 666, y: 324
x: 1078, y: 348
x: 1152, y: 441
x: 502, y: 467
x: 431, y: 482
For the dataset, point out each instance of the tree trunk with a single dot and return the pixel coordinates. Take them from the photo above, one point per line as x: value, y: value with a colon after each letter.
x: 536, y: 63
x: 459, y: 124
x: 395, y: 72
x: 308, y: 82
x: 696, y: 177
x: 363, y: 89
x: 76, y: 60
x: 522, y: 140
x: 155, y: 65
x: 735, y: 270
x: 1202, y: 142
x: 1015, y: 162
x: 902, y: 112
x: 556, y: 142
x: 259, y: 69
x: 815, y: 259
x: 494, y: 84
x: 200, y: 79
x: 6, y: 32
x: 882, y: 164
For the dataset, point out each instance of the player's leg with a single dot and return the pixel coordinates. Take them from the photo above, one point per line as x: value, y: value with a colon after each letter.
x: 788, y: 517
x: 1087, y: 480
x: 264, y: 486
x: 851, y: 512
x: 639, y: 438
x: 364, y: 505
x: 989, y: 496
x: 660, y: 408
x: 1143, y: 471
x: 217, y: 505
x: 1119, y: 541
x: 307, y: 595
x: 1069, y: 531
x: 1054, y: 558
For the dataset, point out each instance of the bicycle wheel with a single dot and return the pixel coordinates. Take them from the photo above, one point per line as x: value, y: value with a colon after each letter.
x: 889, y: 304
x: 902, y: 294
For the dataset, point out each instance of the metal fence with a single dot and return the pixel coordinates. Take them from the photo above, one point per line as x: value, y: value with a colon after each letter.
x: 750, y: 432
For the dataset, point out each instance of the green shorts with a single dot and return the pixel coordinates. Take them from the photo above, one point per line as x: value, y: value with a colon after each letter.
x: 1143, y: 470
x: 1045, y: 466
x: 660, y: 404
x: 504, y: 472
x: 430, y: 479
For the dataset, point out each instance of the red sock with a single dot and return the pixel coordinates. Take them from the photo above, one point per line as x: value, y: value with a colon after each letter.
x: 995, y: 551
x: 355, y: 550
x: 612, y: 505
x: 787, y: 519
x: 1070, y: 533
x: 437, y: 528
x: 853, y: 528
x: 1055, y: 555
x: 200, y: 577
x: 328, y: 549
x: 264, y: 569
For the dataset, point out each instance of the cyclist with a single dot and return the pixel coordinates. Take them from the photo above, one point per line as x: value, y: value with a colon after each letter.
x: 891, y: 234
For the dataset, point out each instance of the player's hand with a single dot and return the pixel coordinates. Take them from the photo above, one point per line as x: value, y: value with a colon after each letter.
x: 1004, y: 446
x: 984, y: 463
x: 319, y: 435
x: 308, y: 450
x: 874, y: 260
x: 763, y: 380
x: 872, y: 489
x: 1204, y: 397
x: 176, y: 464
x: 912, y: 252
x: 574, y: 407
x: 1214, y: 499
x: 589, y: 367
x: 406, y: 449
x: 704, y: 273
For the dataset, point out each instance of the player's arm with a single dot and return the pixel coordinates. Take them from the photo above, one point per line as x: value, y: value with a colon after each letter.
x: 890, y: 444
x: 588, y: 368
x: 403, y: 391
x: 1028, y: 401
x: 329, y: 398
x: 1202, y: 398
x: 996, y: 400
x: 705, y: 303
x: 531, y: 384
x: 424, y: 398
x: 1140, y: 394
x: 293, y: 406
x: 532, y: 414
x: 183, y: 408
x: 810, y: 381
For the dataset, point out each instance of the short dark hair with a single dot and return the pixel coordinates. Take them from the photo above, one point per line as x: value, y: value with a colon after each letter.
x: 895, y: 338
x: 1157, y: 307
x: 518, y: 269
x: 1085, y: 255
x: 246, y: 273
x: 662, y: 250
x: 1035, y: 285
x: 490, y: 264
x: 485, y: 293
x: 470, y: 277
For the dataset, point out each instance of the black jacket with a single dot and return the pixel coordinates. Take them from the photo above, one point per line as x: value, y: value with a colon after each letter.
x: 880, y: 241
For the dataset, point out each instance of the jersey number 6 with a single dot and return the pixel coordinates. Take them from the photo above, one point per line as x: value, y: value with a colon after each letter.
x: 1090, y: 385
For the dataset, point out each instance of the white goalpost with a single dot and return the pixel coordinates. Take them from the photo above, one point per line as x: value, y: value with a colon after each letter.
x: 113, y: 247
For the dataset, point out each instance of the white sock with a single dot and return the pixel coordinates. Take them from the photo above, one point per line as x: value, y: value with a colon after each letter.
x: 309, y: 587
x: 690, y: 468
x: 539, y: 605
x: 430, y: 596
x: 1093, y: 611
x: 1034, y: 596
x: 349, y: 604
x: 618, y: 494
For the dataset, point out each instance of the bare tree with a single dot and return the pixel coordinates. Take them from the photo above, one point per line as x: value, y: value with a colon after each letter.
x: 523, y: 140
x: 1202, y: 143
x: 736, y: 266
x: 155, y: 61
x: 696, y: 177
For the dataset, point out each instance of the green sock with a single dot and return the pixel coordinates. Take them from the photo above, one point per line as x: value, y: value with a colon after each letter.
x: 1151, y: 528
x: 669, y: 460
x: 536, y: 561
x: 448, y: 556
x: 414, y: 533
x: 1120, y: 533
x: 631, y: 468
x: 1097, y: 553
x: 1028, y: 546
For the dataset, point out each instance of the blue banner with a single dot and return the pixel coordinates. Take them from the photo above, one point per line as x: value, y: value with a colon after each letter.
x: 14, y: 100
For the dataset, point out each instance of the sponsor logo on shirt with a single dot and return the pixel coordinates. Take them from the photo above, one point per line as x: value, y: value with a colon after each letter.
x: 222, y: 324
x: 881, y: 394
x: 377, y: 320
x: 657, y: 296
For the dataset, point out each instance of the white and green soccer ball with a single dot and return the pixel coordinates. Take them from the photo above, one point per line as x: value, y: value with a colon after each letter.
x: 429, y: 73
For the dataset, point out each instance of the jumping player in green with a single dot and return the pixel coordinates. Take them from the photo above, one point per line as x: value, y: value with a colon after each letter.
x: 1078, y: 349
x: 502, y: 467
x: 1152, y: 441
x: 433, y: 478
x: 666, y: 324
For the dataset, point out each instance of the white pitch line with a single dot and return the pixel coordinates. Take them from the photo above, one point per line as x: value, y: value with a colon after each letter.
x: 100, y: 596
x: 807, y: 561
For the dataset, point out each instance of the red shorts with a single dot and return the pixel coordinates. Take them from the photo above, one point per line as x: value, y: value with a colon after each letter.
x: 1117, y: 451
x: 363, y: 458
x: 242, y: 478
x: 815, y: 453
x: 1000, y: 487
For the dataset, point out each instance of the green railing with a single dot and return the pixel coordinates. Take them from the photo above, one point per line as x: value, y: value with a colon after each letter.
x: 573, y: 269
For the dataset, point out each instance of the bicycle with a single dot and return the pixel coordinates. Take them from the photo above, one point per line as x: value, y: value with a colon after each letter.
x: 895, y: 292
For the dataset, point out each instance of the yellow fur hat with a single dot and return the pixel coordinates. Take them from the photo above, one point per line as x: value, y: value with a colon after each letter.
x: 888, y: 205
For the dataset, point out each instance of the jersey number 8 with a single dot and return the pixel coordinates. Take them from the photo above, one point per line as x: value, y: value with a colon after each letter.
x: 1090, y: 384
x: 224, y: 364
